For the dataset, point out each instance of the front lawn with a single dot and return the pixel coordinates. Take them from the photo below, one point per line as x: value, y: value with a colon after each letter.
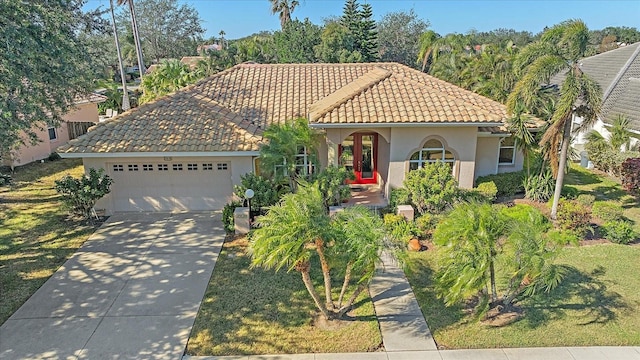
x: 598, y: 304
x: 253, y: 311
x: 35, y: 235
x: 604, y: 188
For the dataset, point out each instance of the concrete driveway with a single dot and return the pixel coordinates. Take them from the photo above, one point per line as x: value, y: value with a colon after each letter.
x: 132, y: 291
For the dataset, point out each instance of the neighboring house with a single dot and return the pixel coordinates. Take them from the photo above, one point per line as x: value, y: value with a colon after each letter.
x: 618, y: 73
x: 185, y: 151
x: 82, y: 115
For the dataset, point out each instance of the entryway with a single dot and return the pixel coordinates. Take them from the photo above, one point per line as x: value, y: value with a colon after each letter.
x: 358, y: 152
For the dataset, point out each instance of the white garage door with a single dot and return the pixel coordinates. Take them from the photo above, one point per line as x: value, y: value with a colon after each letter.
x: 170, y: 186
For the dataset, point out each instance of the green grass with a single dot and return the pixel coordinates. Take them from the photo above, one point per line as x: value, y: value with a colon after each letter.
x: 604, y: 188
x: 254, y: 311
x: 36, y: 237
x: 597, y: 304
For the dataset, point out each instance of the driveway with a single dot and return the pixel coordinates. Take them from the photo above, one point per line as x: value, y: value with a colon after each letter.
x: 132, y: 291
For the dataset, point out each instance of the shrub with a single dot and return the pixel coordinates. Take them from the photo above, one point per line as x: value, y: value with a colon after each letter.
x: 80, y: 195
x: 54, y: 156
x: 425, y: 224
x: 331, y: 182
x: 585, y: 200
x: 539, y: 187
x: 399, y: 196
x: 5, y: 179
x: 432, y: 188
x: 630, y: 174
x: 569, y: 192
x: 265, y: 190
x: 522, y: 213
x: 573, y: 216
x: 227, y: 216
x: 487, y: 189
x: 607, y: 211
x: 619, y: 232
x: 508, y: 184
x: 398, y: 227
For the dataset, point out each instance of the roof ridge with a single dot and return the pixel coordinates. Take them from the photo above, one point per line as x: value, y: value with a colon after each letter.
x: 608, y: 53
x: 618, y: 77
x: 348, y: 91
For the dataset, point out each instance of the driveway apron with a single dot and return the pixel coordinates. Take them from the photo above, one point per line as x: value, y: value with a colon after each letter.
x: 132, y: 291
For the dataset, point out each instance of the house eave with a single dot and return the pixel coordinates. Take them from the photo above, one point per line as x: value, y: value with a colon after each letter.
x: 411, y: 124
x: 159, y: 154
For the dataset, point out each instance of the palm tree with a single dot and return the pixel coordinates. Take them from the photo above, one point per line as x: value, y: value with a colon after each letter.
x: 519, y: 125
x: 620, y: 135
x: 169, y: 77
x: 559, y: 49
x: 468, y: 237
x: 284, y: 8
x: 136, y: 35
x: 125, y: 94
x: 426, y: 55
x: 222, y: 34
x: 299, y: 228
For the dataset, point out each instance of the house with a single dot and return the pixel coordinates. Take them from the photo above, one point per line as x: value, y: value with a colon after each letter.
x: 618, y: 74
x: 83, y: 115
x: 185, y: 151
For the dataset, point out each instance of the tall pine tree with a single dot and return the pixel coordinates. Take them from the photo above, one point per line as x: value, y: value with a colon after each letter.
x: 359, y: 21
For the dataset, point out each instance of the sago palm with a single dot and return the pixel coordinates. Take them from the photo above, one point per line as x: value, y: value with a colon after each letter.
x: 559, y: 50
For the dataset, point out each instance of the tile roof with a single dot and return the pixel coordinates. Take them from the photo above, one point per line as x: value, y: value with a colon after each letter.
x: 90, y: 98
x: 615, y: 70
x: 229, y: 110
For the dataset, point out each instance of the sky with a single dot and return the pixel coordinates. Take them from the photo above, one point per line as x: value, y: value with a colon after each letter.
x: 239, y: 18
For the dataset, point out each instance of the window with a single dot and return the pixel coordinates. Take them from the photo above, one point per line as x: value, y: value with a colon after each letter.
x: 177, y: 167
x: 222, y: 166
x: 133, y: 167
x: 53, y: 134
x: 432, y: 151
x: 147, y: 167
x: 118, y: 167
x: 303, y: 163
x: 163, y: 167
x: 507, y: 151
x: 207, y: 166
x: 192, y: 167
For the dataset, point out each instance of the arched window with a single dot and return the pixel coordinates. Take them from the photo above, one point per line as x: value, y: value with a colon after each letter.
x: 432, y: 151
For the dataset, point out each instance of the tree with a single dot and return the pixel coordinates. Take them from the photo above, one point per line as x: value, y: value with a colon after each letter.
x: 135, y: 34
x: 559, y: 49
x: 286, y: 143
x: 427, y: 44
x: 44, y: 65
x: 283, y: 8
x: 222, y: 41
x: 337, y: 45
x: 362, y: 28
x: 468, y: 237
x: 167, y: 78
x: 431, y: 189
x: 296, y: 42
x: 298, y: 228
x: 620, y: 135
x: 167, y: 29
x: 398, y: 36
x: 475, y: 237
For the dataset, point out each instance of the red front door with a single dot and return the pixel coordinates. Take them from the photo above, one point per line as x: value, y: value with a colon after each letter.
x: 358, y: 152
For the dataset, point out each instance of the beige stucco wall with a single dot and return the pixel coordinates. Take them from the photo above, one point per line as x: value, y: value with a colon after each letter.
x: 30, y: 153
x: 487, y: 153
x: 407, y: 140
x: 239, y: 165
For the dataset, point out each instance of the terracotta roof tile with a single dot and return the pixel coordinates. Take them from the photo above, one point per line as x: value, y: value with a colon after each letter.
x: 229, y: 110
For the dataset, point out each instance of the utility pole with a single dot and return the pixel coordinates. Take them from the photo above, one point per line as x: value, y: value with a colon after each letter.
x: 125, y: 94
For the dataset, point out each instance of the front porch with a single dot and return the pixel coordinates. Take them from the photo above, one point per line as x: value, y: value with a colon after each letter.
x: 371, y: 196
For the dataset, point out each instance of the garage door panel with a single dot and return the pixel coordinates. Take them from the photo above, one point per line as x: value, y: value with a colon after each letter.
x: 180, y: 186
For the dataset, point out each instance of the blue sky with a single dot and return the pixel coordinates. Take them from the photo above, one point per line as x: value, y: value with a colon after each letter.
x: 240, y: 18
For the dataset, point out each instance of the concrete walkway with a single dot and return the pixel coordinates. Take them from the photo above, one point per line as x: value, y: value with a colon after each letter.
x: 132, y: 291
x: 402, y: 324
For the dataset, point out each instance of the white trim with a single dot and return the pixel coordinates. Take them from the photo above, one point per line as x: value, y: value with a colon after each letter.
x: 512, y: 147
x: 391, y: 125
x: 159, y: 154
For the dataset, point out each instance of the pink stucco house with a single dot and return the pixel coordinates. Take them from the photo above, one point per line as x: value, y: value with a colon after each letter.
x: 83, y: 115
